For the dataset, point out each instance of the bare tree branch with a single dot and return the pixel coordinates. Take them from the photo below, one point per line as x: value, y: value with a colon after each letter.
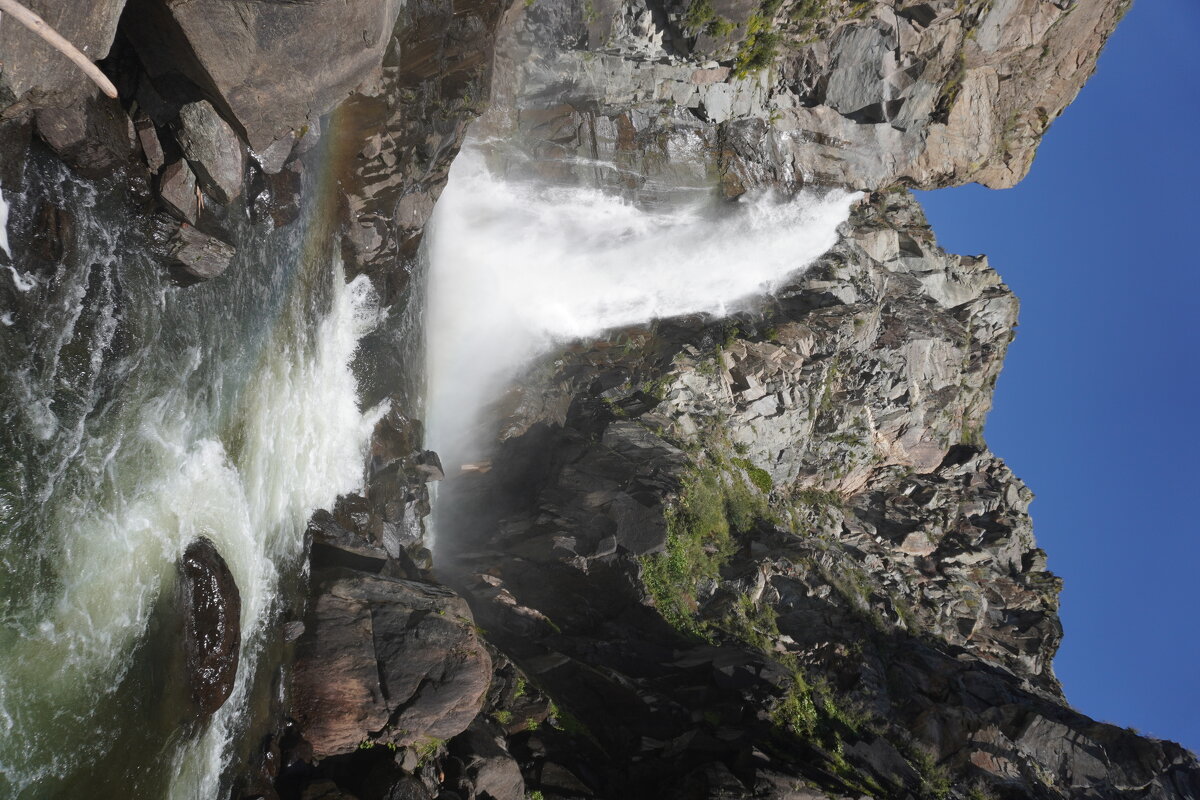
x: 38, y: 25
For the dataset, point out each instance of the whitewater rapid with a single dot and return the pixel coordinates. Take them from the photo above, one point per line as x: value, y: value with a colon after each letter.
x: 517, y: 267
x: 138, y: 416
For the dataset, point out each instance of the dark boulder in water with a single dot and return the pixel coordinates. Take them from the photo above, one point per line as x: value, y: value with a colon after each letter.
x: 212, y: 608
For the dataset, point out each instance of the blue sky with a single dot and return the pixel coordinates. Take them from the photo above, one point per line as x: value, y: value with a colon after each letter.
x: 1096, y: 408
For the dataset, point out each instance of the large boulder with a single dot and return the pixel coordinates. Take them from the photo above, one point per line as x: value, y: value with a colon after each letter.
x: 212, y: 609
x: 387, y: 660
x: 274, y: 67
x: 36, y: 72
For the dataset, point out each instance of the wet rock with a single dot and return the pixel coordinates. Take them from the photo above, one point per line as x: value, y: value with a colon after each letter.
x: 54, y: 232
x: 277, y: 197
x: 212, y: 608
x: 213, y: 150
x: 194, y: 256
x: 428, y: 465
x: 335, y: 546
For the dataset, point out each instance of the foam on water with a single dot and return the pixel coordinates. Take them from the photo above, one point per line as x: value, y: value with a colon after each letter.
x: 22, y: 282
x: 4, y: 225
x: 516, y: 267
x: 306, y: 444
x: 297, y: 441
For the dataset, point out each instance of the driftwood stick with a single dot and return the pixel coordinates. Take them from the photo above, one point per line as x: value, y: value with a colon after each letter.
x: 38, y: 25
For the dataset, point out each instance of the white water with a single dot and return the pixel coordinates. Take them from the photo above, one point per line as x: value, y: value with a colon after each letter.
x: 306, y: 444
x: 175, y: 473
x: 22, y: 283
x: 4, y: 225
x: 517, y: 267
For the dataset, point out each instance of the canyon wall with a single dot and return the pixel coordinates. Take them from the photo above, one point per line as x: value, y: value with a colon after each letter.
x: 767, y: 555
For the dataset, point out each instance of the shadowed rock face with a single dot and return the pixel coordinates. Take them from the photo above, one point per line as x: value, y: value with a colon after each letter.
x: 870, y: 615
x: 212, y: 608
x: 273, y: 67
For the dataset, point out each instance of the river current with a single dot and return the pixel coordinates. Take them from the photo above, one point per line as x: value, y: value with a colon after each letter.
x: 138, y: 415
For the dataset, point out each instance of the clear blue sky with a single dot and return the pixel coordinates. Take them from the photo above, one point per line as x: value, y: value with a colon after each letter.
x: 1097, y: 406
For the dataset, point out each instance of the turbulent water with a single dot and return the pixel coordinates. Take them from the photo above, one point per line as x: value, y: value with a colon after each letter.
x: 517, y: 266
x: 137, y: 416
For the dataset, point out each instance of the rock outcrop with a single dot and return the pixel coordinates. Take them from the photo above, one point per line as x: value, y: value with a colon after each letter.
x: 385, y: 660
x: 861, y: 93
x: 772, y: 556
x: 275, y: 67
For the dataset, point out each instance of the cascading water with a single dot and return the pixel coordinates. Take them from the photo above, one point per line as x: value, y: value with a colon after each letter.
x: 136, y: 417
x: 517, y: 266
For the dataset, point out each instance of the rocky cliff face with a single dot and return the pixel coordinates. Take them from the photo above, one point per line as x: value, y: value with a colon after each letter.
x: 863, y: 94
x: 761, y: 556
x: 771, y: 555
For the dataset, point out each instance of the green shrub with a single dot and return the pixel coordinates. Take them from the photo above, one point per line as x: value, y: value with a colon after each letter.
x: 720, y: 27
x: 759, y: 477
x: 758, y: 50
x: 700, y: 15
x: 819, y: 498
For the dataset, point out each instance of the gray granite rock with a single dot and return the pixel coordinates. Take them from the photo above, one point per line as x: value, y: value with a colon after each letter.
x: 195, y: 256
x: 213, y: 150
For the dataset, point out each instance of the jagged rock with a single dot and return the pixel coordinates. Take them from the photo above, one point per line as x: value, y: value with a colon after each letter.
x: 385, y: 659
x: 195, y: 256
x: 273, y: 67
x: 891, y: 562
x: 276, y: 154
x: 213, y: 151
x: 148, y: 138
x: 334, y: 546
x: 429, y: 466
x: 212, y: 608
x: 177, y: 190
x: 862, y: 95
x: 489, y: 770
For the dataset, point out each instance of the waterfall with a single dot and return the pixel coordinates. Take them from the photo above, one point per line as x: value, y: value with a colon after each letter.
x: 137, y: 416
x: 517, y: 266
